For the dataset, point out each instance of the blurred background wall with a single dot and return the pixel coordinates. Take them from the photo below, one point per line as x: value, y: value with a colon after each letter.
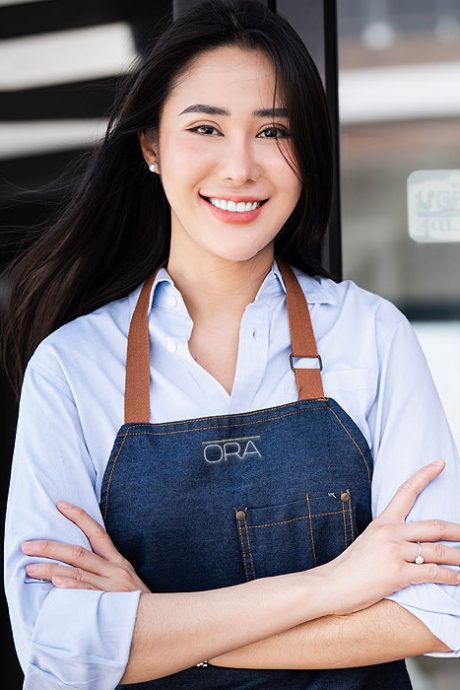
x: 396, y: 66
x: 399, y: 108
x: 399, y: 95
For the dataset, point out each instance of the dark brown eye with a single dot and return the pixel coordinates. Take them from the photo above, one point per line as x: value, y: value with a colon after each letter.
x: 279, y: 133
x: 203, y: 127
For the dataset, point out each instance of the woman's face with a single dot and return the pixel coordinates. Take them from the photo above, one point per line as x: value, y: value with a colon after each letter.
x: 214, y: 144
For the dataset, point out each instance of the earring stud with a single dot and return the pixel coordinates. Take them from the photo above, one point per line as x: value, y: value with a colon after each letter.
x: 153, y: 167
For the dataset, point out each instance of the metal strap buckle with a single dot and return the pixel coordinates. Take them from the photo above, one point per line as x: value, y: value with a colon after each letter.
x: 318, y: 357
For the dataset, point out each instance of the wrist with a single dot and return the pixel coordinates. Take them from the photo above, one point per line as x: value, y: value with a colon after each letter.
x: 317, y: 593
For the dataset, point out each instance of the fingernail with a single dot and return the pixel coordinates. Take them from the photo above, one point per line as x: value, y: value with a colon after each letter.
x: 27, y: 546
x: 64, y: 504
x: 438, y: 463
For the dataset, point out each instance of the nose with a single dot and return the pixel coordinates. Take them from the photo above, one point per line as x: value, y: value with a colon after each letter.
x: 238, y: 162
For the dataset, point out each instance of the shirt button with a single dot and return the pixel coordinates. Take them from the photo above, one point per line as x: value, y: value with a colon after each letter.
x: 172, y: 301
x: 171, y: 346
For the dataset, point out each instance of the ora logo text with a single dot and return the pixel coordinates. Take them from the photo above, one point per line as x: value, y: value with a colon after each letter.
x: 231, y: 449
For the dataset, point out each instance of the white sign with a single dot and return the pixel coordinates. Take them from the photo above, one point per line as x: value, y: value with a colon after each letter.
x: 433, y: 198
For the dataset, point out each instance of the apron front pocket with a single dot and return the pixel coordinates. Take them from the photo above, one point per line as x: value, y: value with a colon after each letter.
x: 295, y: 536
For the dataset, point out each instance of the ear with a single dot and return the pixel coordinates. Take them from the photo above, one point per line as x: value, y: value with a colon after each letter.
x: 149, y: 146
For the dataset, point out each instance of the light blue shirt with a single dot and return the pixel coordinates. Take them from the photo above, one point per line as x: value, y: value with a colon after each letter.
x: 71, y: 408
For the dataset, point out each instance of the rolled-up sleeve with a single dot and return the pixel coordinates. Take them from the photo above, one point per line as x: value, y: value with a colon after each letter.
x: 410, y: 429
x: 64, y: 638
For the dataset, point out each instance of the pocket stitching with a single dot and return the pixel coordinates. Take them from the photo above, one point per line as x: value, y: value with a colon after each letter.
x: 300, y: 517
x: 243, y: 549
x: 249, y: 547
x: 351, y: 520
x: 307, y: 498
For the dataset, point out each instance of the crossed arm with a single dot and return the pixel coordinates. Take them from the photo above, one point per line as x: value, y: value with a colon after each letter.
x: 298, y: 620
x: 383, y: 632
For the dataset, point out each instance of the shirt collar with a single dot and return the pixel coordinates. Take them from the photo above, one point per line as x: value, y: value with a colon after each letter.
x: 317, y: 289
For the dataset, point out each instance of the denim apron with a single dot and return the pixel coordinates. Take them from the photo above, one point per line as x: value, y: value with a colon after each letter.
x: 216, y: 501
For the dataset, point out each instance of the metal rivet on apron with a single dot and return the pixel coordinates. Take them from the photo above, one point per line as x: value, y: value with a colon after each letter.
x: 345, y: 495
x: 240, y: 514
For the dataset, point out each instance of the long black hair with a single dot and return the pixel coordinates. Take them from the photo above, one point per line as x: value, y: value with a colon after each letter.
x: 101, y: 245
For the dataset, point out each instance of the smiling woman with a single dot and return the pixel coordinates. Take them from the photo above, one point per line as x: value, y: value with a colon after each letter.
x: 224, y: 535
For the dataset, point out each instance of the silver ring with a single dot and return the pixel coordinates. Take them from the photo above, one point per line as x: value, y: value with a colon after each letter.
x: 419, y: 558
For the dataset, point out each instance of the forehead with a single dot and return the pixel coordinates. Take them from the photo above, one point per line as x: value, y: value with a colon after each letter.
x: 235, y: 76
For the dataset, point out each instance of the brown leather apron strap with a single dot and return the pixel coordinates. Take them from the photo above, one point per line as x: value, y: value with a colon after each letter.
x: 309, y: 382
x: 137, y: 382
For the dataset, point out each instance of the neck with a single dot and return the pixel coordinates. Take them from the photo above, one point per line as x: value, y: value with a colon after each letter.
x: 214, y: 287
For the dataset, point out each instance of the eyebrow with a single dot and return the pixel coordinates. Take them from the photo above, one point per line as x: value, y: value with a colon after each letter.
x: 214, y: 110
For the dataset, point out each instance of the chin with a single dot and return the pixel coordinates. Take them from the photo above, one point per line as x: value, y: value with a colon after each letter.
x: 241, y: 253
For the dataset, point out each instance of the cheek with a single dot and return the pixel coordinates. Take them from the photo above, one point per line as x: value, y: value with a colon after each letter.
x: 289, y: 185
x: 184, y: 152
x: 284, y: 169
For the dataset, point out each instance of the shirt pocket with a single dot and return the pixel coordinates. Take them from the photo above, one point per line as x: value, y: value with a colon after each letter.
x: 349, y: 380
x: 295, y: 536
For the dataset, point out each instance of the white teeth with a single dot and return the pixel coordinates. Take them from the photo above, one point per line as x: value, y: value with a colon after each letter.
x: 239, y: 207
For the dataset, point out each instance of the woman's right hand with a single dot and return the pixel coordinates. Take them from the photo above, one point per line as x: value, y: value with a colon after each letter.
x: 381, y: 560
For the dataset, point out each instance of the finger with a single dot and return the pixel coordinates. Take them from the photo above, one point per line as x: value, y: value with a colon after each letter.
x: 432, y: 553
x: 47, y: 571
x: 96, y: 533
x: 405, y: 497
x: 430, y: 530
x: 72, y: 554
x: 69, y: 583
x: 431, y: 572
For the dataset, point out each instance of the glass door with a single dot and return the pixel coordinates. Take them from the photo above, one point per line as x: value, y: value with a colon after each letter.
x: 399, y: 106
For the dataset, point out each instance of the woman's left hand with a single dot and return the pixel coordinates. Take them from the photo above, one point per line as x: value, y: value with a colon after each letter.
x: 103, y: 568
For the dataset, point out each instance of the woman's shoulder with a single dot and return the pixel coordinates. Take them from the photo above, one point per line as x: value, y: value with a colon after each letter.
x: 351, y: 300
x: 87, y: 338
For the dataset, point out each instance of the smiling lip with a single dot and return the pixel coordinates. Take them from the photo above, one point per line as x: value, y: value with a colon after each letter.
x: 246, y: 199
x: 234, y: 217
